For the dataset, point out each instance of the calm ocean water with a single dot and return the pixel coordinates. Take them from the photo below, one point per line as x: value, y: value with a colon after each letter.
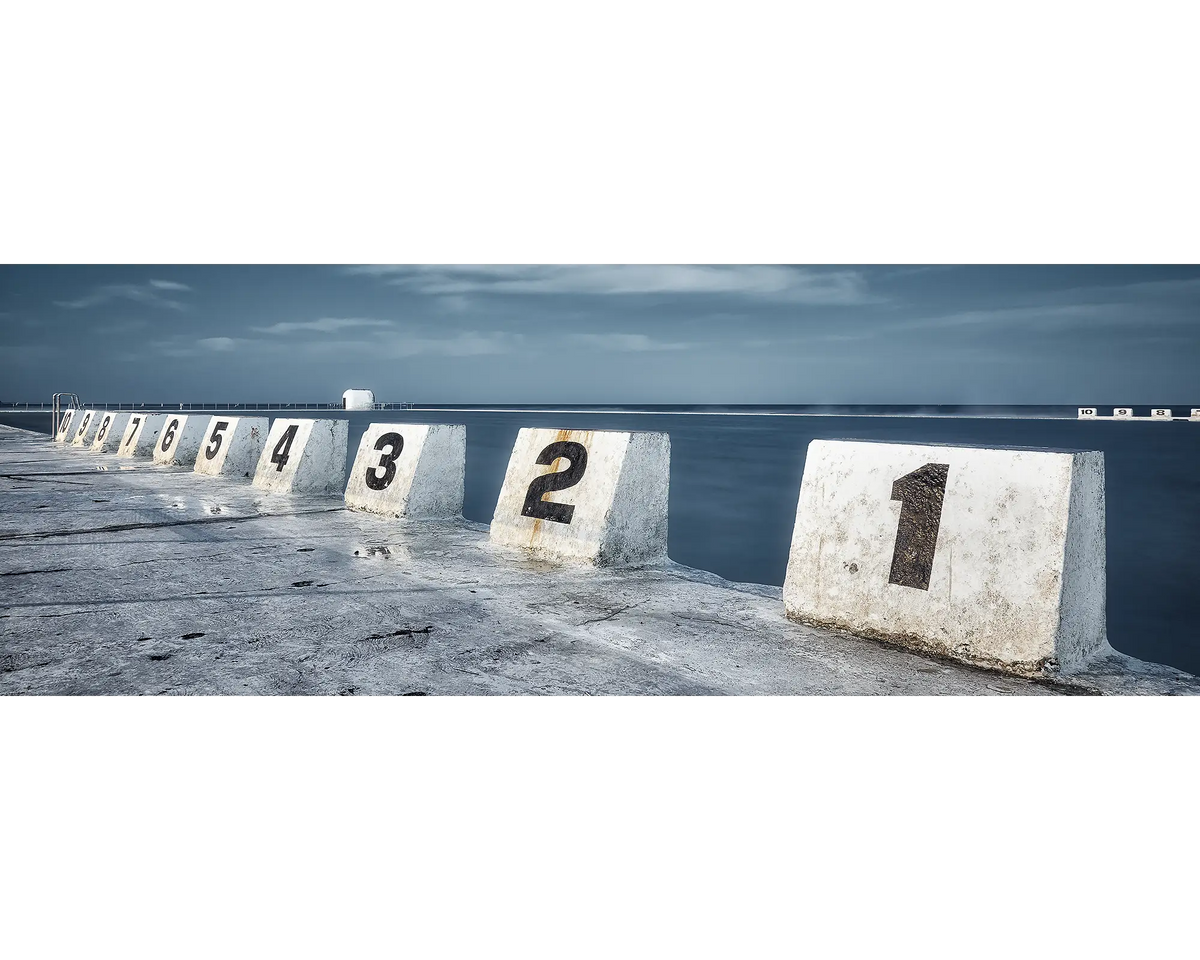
x: 735, y: 481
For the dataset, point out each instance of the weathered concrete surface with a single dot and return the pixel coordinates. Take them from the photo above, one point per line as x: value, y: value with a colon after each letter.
x: 1006, y: 568
x: 304, y: 456
x: 85, y: 430
x: 609, y: 509
x: 179, y: 442
x: 409, y: 470
x: 109, y: 433
x: 232, y: 446
x: 141, y: 435
x: 132, y: 579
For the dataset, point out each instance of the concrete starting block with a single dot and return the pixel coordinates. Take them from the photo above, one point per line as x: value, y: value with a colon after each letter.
x: 603, y: 499
x: 409, y: 470
x: 1160, y: 413
x: 1123, y: 413
x: 85, y: 430
x: 1087, y: 413
x: 108, y: 434
x: 179, y: 442
x: 232, y: 446
x: 1195, y: 414
x: 141, y: 434
x: 64, y: 426
x: 304, y: 456
x: 993, y: 557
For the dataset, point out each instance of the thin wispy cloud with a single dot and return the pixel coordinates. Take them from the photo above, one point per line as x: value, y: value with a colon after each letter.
x: 324, y: 325
x: 799, y: 285
x: 150, y: 293
x: 219, y: 344
x: 624, y: 342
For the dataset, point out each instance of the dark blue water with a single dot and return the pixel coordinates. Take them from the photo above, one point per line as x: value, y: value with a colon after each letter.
x: 735, y: 481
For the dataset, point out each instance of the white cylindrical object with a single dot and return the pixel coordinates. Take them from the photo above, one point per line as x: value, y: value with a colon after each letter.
x: 358, y: 400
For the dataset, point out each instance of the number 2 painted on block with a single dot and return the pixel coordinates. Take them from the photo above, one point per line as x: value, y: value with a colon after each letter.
x: 279, y: 456
x: 920, y: 494
x: 541, y: 509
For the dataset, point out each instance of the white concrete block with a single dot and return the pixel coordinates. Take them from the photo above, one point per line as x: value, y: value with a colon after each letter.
x: 69, y: 418
x: 993, y: 557
x: 1087, y: 413
x: 141, y: 434
x: 304, y: 456
x: 108, y: 434
x: 591, y: 496
x: 1160, y: 413
x: 1195, y: 414
x: 1123, y: 413
x: 232, y: 446
x: 180, y: 439
x: 85, y: 429
x: 409, y: 470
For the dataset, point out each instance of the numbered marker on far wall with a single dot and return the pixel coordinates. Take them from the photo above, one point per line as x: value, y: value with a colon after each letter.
x: 108, y: 434
x: 1122, y: 413
x: 1087, y: 413
x: 304, y: 456
x: 994, y: 557
x: 179, y: 441
x: 591, y: 496
x: 1195, y: 414
x: 232, y: 446
x: 141, y: 434
x: 409, y: 470
x: 1160, y: 413
x: 65, y: 432
x: 85, y: 429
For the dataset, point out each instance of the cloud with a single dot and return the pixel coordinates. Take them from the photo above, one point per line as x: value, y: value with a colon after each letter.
x: 801, y: 285
x: 324, y: 325
x: 624, y: 342
x: 170, y: 285
x: 138, y: 293
x: 217, y: 343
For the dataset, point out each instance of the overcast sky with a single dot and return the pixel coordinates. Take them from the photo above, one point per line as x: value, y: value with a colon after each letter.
x: 604, y: 334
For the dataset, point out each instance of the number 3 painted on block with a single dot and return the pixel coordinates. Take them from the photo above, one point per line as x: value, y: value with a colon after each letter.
x: 387, y: 462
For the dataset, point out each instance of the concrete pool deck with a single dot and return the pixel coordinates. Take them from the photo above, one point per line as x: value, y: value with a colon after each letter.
x: 121, y: 577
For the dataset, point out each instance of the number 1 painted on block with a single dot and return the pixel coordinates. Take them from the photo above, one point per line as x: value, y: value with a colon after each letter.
x: 920, y: 494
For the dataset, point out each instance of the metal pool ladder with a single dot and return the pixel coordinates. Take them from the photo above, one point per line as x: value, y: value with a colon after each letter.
x: 57, y: 410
